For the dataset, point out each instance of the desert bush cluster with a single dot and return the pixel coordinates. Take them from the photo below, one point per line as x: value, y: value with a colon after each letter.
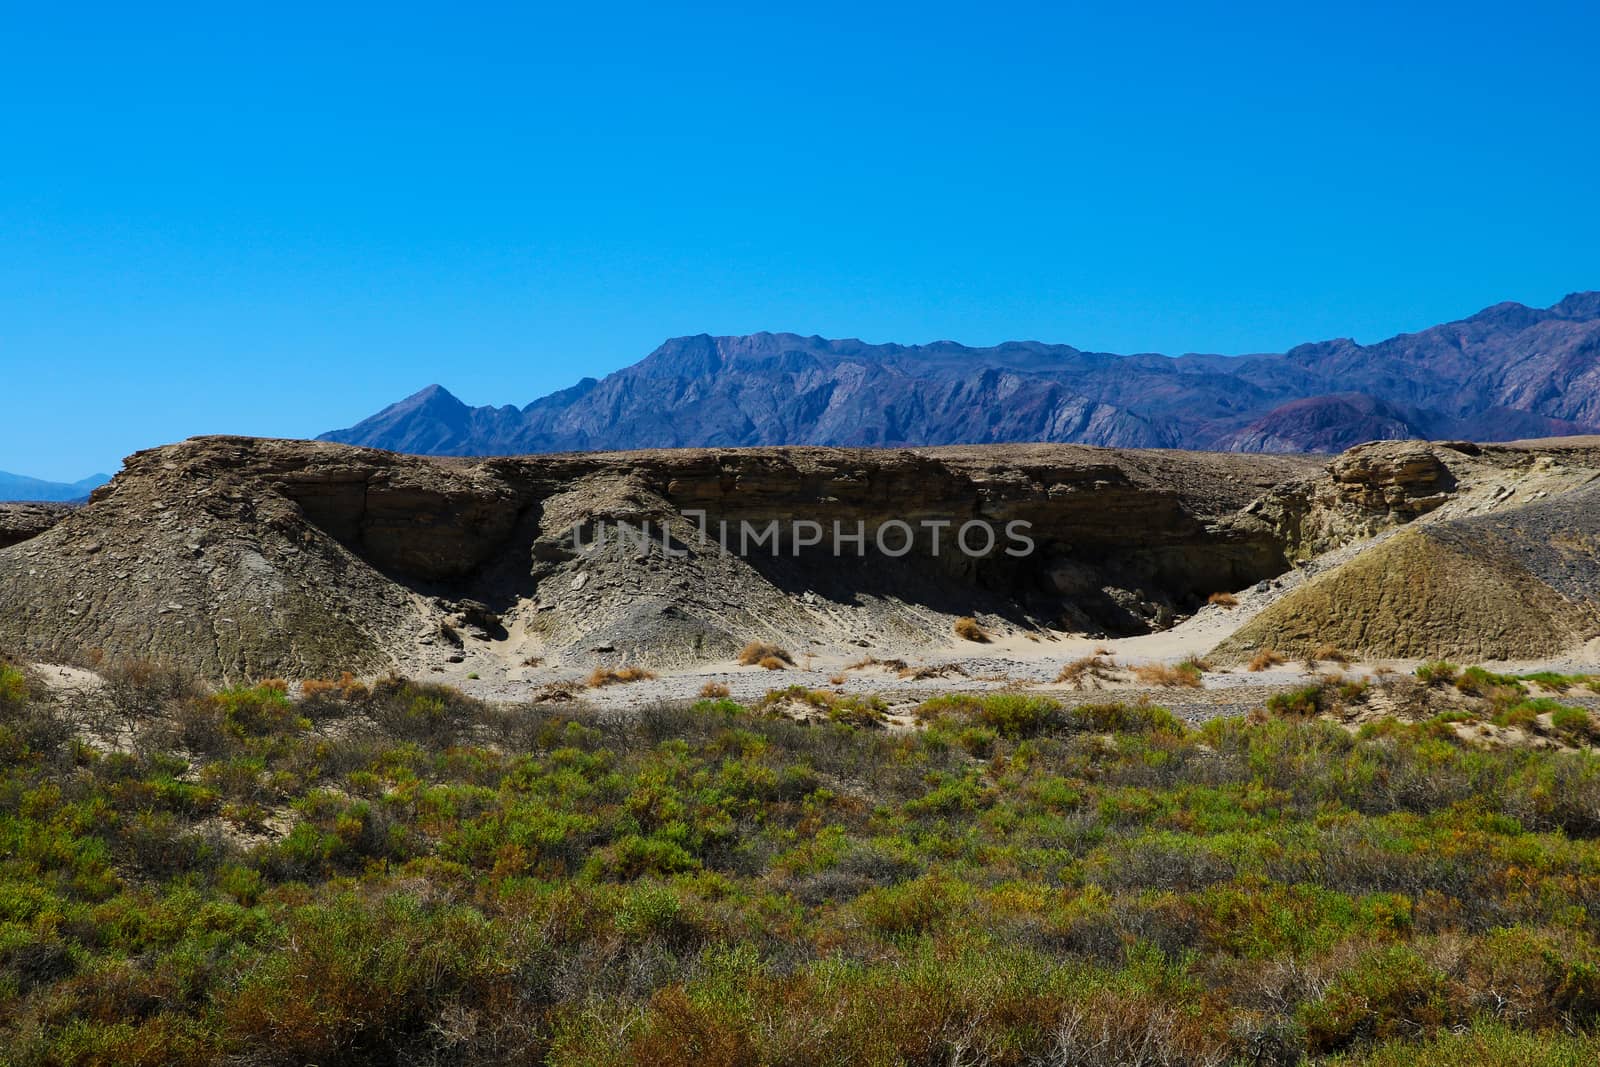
x: 397, y: 873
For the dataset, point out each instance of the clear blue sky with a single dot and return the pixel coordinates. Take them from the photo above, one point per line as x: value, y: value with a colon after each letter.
x: 277, y: 219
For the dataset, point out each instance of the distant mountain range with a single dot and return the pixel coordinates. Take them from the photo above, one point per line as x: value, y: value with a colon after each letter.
x: 20, y: 487
x: 1508, y: 372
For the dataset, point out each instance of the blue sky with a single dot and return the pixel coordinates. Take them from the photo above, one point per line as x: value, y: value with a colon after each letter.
x: 277, y: 219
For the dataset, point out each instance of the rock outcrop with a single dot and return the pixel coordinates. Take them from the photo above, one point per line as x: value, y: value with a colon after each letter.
x: 19, y: 522
x: 1523, y: 585
x: 1497, y: 555
x: 244, y: 557
x: 241, y: 557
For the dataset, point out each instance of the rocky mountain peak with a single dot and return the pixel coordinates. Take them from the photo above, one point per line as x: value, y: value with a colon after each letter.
x: 1508, y: 371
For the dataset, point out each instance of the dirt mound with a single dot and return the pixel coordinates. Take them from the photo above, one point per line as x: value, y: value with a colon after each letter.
x: 244, y: 557
x: 1522, y: 583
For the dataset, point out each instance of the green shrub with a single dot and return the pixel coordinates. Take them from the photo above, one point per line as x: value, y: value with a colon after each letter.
x: 1437, y: 673
x: 1574, y: 722
x: 1303, y: 703
x: 1126, y: 718
x: 1476, y: 681
x: 13, y: 687
x: 1387, y: 993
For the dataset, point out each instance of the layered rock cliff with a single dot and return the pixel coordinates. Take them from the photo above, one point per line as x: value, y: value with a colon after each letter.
x: 245, y: 557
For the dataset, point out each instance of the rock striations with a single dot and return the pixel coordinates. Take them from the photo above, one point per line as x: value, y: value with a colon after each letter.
x: 243, y: 558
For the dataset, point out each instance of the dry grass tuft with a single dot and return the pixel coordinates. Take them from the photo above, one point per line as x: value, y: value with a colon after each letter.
x: 603, y: 676
x: 345, y: 687
x: 967, y: 629
x: 773, y: 663
x: 862, y: 664
x: 1331, y: 654
x: 1267, y: 657
x: 1185, y: 675
x: 555, y: 693
x: 1223, y: 600
x: 1080, y: 672
x: 942, y: 670
x: 839, y: 679
x: 714, y: 691
x: 756, y: 653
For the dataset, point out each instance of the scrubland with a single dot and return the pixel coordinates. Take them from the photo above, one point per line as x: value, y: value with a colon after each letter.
x: 395, y: 873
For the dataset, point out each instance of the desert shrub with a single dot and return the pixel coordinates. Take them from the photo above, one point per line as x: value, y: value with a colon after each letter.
x: 1303, y: 703
x: 698, y: 883
x: 1574, y: 722
x: 845, y: 709
x: 1559, y: 682
x: 1187, y: 674
x: 1012, y: 715
x: 757, y: 653
x: 911, y: 907
x: 425, y: 713
x: 379, y: 977
x: 1330, y: 653
x: 772, y: 663
x: 1081, y: 671
x: 1223, y: 600
x: 713, y: 691
x: 1384, y: 994
x: 346, y: 688
x: 14, y: 688
x: 968, y: 629
x: 261, y: 710
x: 1266, y: 658
x: 1475, y: 681
x: 1486, y: 1043
x: 1138, y: 1028
x: 932, y: 670
x: 1438, y: 673
x: 1125, y: 718
x: 604, y: 676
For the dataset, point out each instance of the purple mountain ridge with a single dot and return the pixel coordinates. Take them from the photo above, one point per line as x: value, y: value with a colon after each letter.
x: 1508, y: 372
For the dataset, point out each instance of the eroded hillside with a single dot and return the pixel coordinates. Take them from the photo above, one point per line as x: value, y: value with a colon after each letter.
x: 243, y: 557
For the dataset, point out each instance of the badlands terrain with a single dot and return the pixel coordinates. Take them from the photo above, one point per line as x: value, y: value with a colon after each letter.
x: 240, y: 558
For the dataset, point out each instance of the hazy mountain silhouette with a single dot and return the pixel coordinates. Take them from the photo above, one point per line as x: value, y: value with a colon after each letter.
x: 21, y: 487
x: 1507, y: 372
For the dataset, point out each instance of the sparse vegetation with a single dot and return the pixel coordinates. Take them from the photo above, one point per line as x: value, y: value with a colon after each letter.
x: 1560, y: 683
x: 758, y: 653
x: 1081, y: 672
x: 968, y: 629
x: 603, y: 676
x: 924, y: 671
x: 1438, y: 673
x: 1190, y: 673
x: 1265, y: 659
x: 399, y: 873
x: 847, y: 710
x: 1327, y: 653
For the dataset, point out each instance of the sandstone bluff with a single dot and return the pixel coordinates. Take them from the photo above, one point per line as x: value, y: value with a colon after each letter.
x: 244, y: 557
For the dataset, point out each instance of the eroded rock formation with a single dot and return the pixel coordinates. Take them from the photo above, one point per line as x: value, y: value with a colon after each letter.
x: 246, y: 557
